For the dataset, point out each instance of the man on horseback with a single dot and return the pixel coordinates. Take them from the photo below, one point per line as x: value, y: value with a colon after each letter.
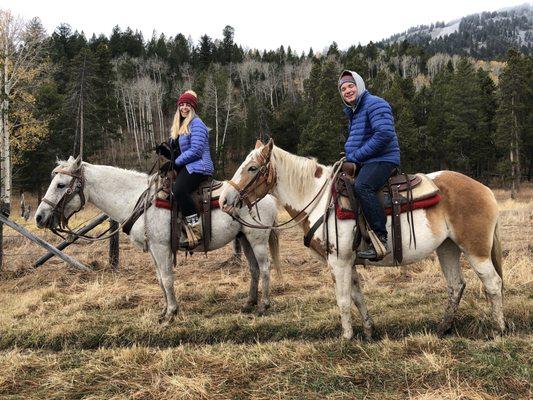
x: 373, y: 145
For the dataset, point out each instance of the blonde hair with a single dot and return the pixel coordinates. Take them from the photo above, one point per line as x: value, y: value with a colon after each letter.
x: 181, y: 126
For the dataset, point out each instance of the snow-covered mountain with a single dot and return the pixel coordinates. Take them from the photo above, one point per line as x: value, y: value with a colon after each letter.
x: 484, y: 35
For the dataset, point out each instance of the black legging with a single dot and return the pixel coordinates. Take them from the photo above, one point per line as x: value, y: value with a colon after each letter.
x: 184, y: 185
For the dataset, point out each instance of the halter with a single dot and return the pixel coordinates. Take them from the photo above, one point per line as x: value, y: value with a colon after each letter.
x: 74, y: 188
x: 265, y: 176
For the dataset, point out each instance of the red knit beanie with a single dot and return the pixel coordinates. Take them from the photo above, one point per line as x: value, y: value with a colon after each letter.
x: 190, y: 99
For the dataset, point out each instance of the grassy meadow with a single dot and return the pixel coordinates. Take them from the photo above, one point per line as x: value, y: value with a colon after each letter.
x: 66, y: 334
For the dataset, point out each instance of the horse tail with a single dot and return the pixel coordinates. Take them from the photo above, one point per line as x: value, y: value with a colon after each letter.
x: 496, y: 253
x: 273, y: 241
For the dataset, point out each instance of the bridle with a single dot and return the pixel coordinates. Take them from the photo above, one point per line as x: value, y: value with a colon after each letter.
x: 266, y: 176
x: 74, y: 188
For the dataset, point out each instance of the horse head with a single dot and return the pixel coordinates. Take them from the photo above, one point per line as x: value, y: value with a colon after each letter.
x: 252, y: 181
x: 64, y: 197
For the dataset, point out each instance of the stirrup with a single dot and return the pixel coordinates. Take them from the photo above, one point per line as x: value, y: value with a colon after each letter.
x: 192, y: 240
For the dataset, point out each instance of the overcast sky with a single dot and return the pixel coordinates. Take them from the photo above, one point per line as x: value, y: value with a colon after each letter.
x: 258, y: 24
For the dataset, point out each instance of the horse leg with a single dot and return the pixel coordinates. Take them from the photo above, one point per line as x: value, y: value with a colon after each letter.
x: 261, y: 256
x: 449, y: 255
x: 359, y: 301
x: 342, y: 272
x: 254, y: 272
x: 163, y: 260
x: 493, y: 287
x: 160, y: 281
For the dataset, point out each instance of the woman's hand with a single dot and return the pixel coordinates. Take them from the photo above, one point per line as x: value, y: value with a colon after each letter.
x: 163, y: 150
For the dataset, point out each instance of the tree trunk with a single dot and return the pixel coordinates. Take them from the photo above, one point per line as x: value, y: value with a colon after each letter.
x: 514, y: 154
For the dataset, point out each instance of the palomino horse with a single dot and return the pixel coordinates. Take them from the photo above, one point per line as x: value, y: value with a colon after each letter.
x: 464, y: 221
x: 115, y: 192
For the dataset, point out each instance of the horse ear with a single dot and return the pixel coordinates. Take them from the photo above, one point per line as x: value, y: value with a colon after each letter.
x: 77, y: 163
x: 270, y: 144
x: 258, y: 144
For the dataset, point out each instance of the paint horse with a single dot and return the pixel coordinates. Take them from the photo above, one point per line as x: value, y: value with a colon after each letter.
x: 464, y: 221
x: 115, y: 192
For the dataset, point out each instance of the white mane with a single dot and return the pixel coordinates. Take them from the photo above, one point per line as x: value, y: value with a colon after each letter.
x: 68, y: 164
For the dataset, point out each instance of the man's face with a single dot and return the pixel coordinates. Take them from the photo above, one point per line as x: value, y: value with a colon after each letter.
x: 349, y: 92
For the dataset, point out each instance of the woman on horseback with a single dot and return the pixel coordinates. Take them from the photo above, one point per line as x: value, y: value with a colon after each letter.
x: 372, y: 144
x: 194, y: 163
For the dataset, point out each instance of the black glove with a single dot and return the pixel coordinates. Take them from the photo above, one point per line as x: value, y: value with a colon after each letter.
x: 166, y: 167
x: 163, y: 150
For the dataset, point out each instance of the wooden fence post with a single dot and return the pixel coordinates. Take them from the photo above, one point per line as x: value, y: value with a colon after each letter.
x: 63, y: 245
x: 65, y: 257
x: 114, y: 245
x: 5, y: 211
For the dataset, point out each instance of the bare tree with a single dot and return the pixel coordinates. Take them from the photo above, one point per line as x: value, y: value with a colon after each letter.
x: 19, y: 52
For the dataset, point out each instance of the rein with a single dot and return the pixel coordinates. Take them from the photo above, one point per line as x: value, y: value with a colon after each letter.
x: 281, y: 226
x: 76, y: 187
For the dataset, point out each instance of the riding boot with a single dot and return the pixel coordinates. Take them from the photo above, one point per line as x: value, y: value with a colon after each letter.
x: 370, y: 253
x: 193, y: 232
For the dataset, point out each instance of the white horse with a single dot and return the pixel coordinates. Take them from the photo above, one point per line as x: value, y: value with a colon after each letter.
x: 464, y: 221
x: 115, y: 192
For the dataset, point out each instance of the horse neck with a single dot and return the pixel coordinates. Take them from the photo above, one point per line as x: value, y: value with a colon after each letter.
x: 113, y: 190
x: 296, y: 187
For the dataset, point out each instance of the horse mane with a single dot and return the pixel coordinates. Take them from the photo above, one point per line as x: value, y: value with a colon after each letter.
x: 67, y: 164
x: 301, y: 171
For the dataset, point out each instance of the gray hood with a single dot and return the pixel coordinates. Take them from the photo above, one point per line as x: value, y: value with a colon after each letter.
x: 359, y: 82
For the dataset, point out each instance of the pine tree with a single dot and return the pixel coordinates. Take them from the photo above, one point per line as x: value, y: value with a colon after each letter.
x: 514, y: 113
x: 324, y: 135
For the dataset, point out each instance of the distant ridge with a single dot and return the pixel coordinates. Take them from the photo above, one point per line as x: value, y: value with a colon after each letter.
x: 486, y: 35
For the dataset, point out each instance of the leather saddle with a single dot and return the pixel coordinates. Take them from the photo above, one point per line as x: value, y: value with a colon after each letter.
x: 398, y: 195
x: 205, y: 198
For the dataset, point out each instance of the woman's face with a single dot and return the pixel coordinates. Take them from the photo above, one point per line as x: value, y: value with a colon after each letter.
x: 185, y: 109
x: 349, y: 92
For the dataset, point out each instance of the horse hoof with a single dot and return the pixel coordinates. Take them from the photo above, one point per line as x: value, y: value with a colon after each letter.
x: 443, y: 331
x: 510, y: 327
x: 367, y: 335
x: 248, y: 308
x: 262, y: 309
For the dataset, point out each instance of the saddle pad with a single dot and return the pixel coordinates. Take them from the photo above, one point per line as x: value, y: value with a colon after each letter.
x: 423, y: 203
x: 162, y: 203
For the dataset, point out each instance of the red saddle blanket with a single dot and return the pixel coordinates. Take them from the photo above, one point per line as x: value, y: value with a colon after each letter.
x: 424, y: 203
x: 162, y: 203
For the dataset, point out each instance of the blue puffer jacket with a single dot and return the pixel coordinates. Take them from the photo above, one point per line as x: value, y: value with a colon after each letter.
x: 371, y: 134
x: 195, y: 154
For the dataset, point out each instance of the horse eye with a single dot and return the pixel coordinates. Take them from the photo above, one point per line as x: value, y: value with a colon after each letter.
x: 253, y: 168
x: 60, y: 185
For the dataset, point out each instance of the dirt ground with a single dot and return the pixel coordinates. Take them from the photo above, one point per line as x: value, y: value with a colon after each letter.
x: 94, y: 335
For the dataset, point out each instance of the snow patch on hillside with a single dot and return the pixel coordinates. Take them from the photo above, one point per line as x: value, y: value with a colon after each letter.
x: 447, y: 30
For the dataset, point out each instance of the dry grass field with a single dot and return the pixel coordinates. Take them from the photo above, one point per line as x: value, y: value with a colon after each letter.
x: 65, y: 334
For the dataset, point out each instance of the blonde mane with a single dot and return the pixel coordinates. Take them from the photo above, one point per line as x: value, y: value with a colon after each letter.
x: 300, y: 170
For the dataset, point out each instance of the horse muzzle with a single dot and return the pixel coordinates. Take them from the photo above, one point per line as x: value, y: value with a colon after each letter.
x: 44, y: 220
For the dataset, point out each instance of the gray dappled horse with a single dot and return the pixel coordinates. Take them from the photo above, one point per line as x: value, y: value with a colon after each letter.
x: 115, y: 192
